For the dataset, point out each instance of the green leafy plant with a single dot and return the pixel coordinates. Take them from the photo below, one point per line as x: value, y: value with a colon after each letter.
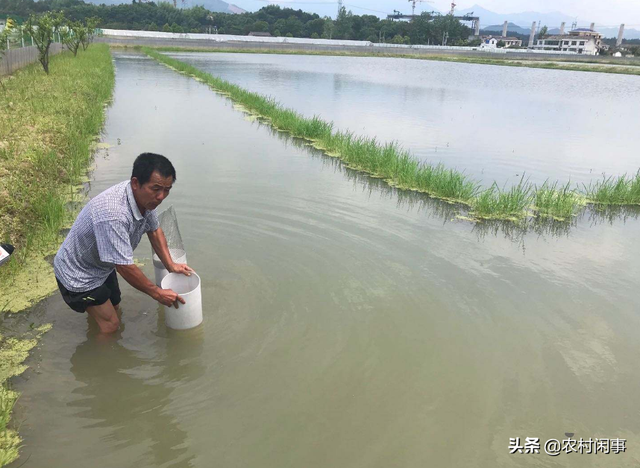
x: 71, y: 34
x: 43, y: 29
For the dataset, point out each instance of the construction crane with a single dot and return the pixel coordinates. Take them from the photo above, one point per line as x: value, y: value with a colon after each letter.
x: 413, y: 5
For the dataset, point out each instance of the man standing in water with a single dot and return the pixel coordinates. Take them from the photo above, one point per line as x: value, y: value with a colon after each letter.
x: 103, y: 238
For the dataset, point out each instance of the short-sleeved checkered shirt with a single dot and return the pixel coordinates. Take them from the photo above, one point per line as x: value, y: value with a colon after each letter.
x: 105, y: 234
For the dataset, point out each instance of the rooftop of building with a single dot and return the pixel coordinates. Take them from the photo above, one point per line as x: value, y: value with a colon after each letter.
x: 501, y: 38
x: 564, y: 37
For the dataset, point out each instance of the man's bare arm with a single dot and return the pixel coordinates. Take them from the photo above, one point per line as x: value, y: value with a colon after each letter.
x: 160, y: 247
x: 136, y: 278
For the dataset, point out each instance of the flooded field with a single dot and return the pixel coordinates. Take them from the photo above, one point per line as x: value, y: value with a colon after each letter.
x: 496, y: 123
x: 346, y: 324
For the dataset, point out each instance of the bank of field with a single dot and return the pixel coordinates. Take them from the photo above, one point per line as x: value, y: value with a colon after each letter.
x: 48, y: 127
x: 400, y: 169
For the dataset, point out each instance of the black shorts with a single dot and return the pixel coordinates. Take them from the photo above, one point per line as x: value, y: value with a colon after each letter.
x: 79, y: 301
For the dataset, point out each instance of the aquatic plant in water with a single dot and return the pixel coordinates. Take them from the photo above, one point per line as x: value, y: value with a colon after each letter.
x: 622, y: 190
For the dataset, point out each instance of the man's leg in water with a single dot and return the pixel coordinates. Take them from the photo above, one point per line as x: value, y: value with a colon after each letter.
x: 106, y: 316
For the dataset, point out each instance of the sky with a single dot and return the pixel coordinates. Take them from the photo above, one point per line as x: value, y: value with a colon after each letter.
x: 604, y: 12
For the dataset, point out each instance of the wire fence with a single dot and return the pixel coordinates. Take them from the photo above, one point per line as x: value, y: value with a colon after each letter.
x: 15, y: 58
x: 18, y: 39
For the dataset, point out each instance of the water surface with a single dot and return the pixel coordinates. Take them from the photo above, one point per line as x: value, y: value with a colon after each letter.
x: 346, y: 324
x: 493, y: 122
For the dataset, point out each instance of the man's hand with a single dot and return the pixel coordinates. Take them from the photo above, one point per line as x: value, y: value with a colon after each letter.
x: 168, y: 298
x: 182, y: 268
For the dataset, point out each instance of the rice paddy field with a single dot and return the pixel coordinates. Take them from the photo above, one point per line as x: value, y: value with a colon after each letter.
x: 501, y: 198
x: 353, y: 319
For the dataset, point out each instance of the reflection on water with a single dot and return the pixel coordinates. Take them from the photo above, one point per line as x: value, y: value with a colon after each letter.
x: 346, y: 323
x: 492, y: 122
x: 451, y: 212
x: 113, y: 376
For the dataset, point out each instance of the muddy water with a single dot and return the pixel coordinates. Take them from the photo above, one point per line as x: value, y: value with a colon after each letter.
x: 496, y: 123
x: 346, y: 325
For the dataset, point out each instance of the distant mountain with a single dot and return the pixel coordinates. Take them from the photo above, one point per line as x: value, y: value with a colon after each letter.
x: 236, y: 9
x: 511, y: 28
x: 613, y: 32
x: 524, y: 19
x: 217, y: 6
x: 521, y: 22
x: 606, y: 32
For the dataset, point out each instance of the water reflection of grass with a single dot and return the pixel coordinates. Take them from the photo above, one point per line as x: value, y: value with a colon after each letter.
x: 514, y: 231
x: 395, y: 165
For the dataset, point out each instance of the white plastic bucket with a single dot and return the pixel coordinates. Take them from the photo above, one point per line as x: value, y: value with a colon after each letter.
x: 177, y: 255
x: 187, y: 315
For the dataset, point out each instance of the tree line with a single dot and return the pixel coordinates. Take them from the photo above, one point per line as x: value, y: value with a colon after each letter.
x: 272, y: 19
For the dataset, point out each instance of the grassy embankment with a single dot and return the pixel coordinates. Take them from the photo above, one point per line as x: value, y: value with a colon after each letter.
x: 48, y: 125
x: 395, y: 165
x: 629, y: 67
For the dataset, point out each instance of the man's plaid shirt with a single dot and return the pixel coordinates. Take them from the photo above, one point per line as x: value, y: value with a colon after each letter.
x: 105, y: 234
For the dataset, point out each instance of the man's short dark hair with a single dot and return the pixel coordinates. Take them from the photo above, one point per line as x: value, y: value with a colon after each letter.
x: 147, y: 163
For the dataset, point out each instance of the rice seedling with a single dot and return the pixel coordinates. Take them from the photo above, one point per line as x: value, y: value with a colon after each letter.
x: 508, y: 204
x: 555, y: 201
x: 622, y: 190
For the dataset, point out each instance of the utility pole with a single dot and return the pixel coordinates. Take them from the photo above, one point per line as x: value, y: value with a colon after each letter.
x: 339, y: 8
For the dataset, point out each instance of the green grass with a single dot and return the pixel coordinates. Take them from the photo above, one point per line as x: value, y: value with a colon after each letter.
x: 546, y: 62
x: 506, y: 204
x: 622, y: 190
x: 557, y: 201
x: 47, y: 127
x: 48, y: 124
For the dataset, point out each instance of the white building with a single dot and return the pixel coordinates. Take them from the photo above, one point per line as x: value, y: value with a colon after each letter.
x: 579, y: 41
x: 499, y: 40
x: 3, y: 23
x: 489, y: 43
